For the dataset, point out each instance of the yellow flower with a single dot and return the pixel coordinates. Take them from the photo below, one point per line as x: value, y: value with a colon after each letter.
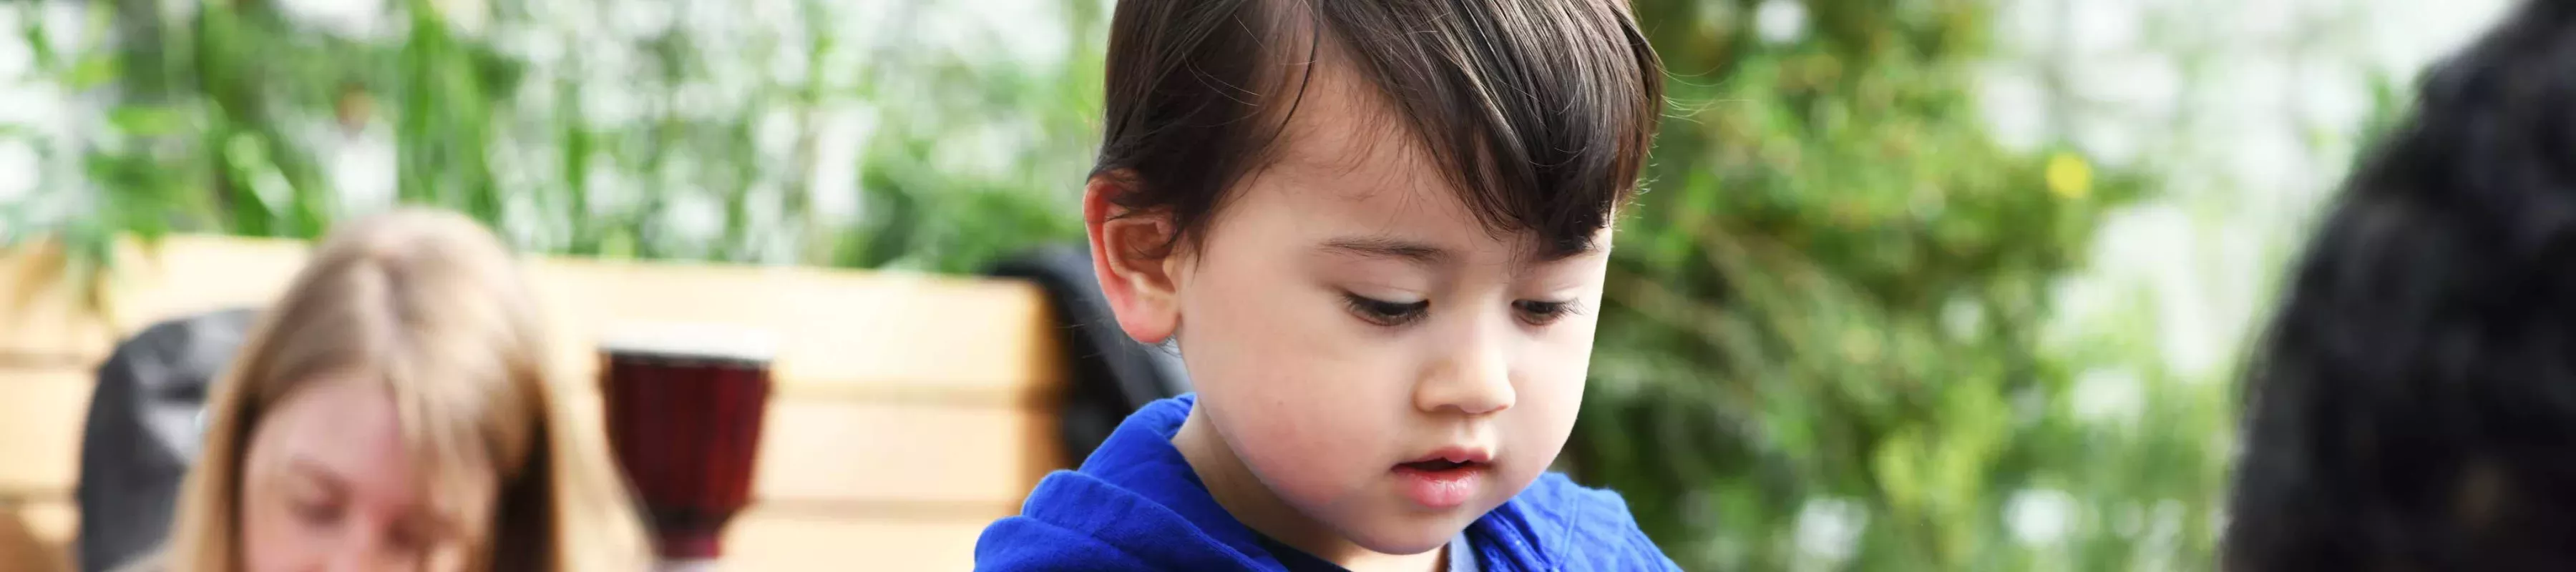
x: 2069, y: 176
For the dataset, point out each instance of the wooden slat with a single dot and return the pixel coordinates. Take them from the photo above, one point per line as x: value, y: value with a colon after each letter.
x: 40, y: 318
x: 880, y: 454
x: 853, y: 334
x: 798, y: 541
x: 41, y: 413
x: 862, y: 335
x: 816, y: 450
x: 37, y: 535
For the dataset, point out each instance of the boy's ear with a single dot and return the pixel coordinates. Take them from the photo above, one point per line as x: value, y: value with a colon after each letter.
x: 1129, y: 256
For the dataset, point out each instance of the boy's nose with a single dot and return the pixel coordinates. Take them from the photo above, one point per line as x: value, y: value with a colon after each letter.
x: 1474, y: 380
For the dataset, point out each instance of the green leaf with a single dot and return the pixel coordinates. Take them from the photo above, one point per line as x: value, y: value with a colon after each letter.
x: 147, y: 120
x: 91, y: 71
x: 38, y: 38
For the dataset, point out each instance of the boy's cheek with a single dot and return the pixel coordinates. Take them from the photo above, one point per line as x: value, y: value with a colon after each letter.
x: 1551, y: 385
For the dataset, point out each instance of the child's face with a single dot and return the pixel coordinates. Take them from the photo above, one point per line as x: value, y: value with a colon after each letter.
x: 1346, y: 318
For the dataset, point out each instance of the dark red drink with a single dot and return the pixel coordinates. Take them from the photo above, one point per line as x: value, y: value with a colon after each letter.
x: 684, y: 415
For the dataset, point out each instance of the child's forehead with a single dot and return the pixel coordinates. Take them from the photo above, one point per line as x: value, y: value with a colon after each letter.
x: 1364, y: 192
x: 1344, y: 133
x: 1338, y: 114
x: 1378, y: 198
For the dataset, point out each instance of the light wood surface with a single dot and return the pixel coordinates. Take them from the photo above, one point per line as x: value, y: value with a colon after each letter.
x: 40, y: 428
x: 850, y: 334
x: 910, y: 412
x: 761, y: 540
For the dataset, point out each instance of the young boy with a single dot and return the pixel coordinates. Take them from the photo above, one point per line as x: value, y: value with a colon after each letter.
x: 2414, y: 405
x: 1376, y: 232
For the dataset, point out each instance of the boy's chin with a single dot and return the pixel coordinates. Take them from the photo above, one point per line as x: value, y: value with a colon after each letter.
x: 1414, y: 533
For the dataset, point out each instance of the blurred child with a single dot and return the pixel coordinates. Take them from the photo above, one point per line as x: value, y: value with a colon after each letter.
x: 2414, y: 405
x: 1376, y: 233
x: 393, y: 412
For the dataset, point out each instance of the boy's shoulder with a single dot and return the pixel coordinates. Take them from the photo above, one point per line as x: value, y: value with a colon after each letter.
x: 1558, y: 524
x: 1075, y: 521
x: 1134, y: 505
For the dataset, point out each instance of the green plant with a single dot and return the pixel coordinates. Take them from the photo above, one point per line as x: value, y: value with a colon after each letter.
x: 1825, y: 313
x: 224, y: 119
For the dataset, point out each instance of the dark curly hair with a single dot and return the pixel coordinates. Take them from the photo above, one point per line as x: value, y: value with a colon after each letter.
x: 2413, y: 404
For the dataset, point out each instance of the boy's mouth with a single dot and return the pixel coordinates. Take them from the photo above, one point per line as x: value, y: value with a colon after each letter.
x: 1444, y: 479
x: 1449, y: 456
x: 1436, y: 465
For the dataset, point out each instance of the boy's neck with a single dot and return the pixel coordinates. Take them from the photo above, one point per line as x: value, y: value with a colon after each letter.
x: 1252, y: 503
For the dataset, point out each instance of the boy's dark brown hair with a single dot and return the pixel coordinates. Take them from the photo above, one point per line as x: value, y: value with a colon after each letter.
x: 1539, y: 111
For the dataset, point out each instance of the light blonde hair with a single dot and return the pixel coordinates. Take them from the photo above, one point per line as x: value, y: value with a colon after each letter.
x: 431, y: 306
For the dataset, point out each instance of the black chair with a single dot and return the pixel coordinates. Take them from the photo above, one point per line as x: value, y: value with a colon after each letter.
x: 142, y: 432
x: 1111, y: 374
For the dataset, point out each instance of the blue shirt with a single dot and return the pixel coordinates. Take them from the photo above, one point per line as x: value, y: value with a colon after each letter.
x: 1136, y: 505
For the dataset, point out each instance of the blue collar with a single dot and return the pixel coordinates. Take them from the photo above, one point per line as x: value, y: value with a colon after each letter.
x: 1140, y: 458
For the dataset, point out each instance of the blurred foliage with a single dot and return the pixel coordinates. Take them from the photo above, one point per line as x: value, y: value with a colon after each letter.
x: 1823, y: 347
x: 222, y: 117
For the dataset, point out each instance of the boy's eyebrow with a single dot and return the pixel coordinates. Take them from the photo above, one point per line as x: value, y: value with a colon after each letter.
x: 1388, y: 247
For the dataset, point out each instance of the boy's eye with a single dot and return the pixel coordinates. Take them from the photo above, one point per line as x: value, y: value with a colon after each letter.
x: 1384, y: 313
x: 1541, y: 313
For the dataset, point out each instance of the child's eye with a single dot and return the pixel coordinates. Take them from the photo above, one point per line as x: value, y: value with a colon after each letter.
x: 1384, y: 313
x: 1541, y: 313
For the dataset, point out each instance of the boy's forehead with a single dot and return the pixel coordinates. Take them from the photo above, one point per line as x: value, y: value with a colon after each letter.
x: 1370, y: 194
x: 1382, y: 198
x: 1339, y: 120
x: 1342, y: 151
x: 1347, y: 174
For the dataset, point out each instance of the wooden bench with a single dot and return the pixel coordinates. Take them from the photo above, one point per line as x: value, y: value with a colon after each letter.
x: 910, y: 412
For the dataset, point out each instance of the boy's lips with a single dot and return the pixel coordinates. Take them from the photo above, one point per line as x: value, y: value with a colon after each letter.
x: 1455, y: 455
x: 1445, y: 478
